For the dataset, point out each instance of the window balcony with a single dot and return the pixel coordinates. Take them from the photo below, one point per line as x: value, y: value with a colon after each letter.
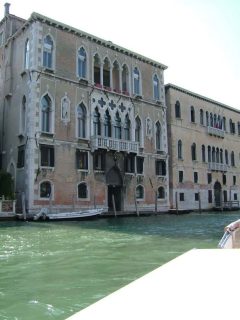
x: 215, y: 132
x: 98, y: 142
x: 217, y: 166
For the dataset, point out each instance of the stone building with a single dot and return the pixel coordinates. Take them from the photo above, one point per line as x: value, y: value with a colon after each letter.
x: 83, y: 121
x: 204, y: 154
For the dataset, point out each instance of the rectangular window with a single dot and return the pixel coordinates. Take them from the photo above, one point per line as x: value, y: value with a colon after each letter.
x: 181, y: 196
x: 47, y: 155
x: 235, y: 196
x: 196, y: 195
x: 140, y: 161
x: 21, y: 156
x: 99, y: 161
x: 160, y: 167
x: 209, y: 196
x: 209, y: 178
x: 180, y: 176
x: 81, y: 160
x: 234, y: 180
x: 130, y: 163
x: 195, y: 177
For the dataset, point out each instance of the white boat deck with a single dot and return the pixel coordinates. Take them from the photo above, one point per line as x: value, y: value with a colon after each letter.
x: 198, y: 285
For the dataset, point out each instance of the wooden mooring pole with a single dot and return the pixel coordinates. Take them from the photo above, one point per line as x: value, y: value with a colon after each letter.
x: 114, y: 206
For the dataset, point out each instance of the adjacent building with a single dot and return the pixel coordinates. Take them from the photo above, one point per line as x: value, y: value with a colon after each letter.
x: 204, y: 153
x: 83, y: 121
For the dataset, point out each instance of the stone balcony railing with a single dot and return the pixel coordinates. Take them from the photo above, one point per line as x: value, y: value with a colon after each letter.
x: 217, y: 166
x: 114, y: 144
x: 215, y: 132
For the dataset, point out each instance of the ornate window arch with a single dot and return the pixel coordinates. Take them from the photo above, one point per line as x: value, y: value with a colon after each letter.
x: 158, y: 136
x: 136, y: 81
x: 125, y: 79
x: 96, y: 122
x: 48, y: 51
x: 161, y: 193
x: 138, y: 130
x: 81, y: 120
x: 107, y: 124
x: 82, y: 63
x: 46, y: 114
x: 156, y: 88
x: 127, y: 128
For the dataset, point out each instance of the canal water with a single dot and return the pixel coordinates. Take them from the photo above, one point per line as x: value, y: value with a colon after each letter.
x: 52, y: 270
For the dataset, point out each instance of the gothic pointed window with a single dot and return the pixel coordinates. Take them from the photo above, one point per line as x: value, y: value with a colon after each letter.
x: 138, y: 128
x: 177, y: 110
x: 201, y: 117
x: 158, y: 136
x: 97, y: 70
x: 82, y: 63
x: 116, y: 77
x: 81, y: 120
x: 96, y: 122
x: 48, y: 52
x: 156, y: 88
x: 106, y: 73
x: 192, y: 113
x: 127, y: 127
x: 161, y: 193
x: 136, y: 81
x: 125, y: 79
x: 107, y: 124
x: 117, y: 127
x: 46, y: 114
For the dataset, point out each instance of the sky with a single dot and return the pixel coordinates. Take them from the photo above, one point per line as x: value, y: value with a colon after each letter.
x: 199, y: 40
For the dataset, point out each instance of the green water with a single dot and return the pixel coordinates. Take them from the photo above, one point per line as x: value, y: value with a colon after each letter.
x: 52, y: 270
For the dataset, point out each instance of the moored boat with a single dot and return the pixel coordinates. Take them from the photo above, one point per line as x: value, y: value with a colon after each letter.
x: 44, y: 215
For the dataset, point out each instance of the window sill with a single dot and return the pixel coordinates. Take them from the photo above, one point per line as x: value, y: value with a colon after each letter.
x: 47, y: 134
x: 42, y: 168
x: 99, y: 171
x: 48, y: 70
x: 83, y: 81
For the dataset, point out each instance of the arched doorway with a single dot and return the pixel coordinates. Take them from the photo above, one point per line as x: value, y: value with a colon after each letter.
x: 114, y: 183
x: 217, y: 194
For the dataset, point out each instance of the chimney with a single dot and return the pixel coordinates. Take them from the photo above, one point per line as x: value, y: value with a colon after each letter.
x: 6, y: 5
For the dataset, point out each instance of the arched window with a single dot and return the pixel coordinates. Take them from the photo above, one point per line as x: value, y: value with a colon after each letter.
x: 138, y: 127
x: 213, y: 154
x: 215, y: 121
x: 115, y: 77
x: 106, y: 73
x: 207, y: 119
x: 209, y: 154
x: 139, y: 192
x: 23, y: 115
x: 125, y: 79
x: 27, y: 54
x: 136, y: 81
x: 96, y: 122
x: 179, y: 150
x: 117, y: 127
x: 82, y: 63
x: 217, y: 155
x: 48, y: 52
x: 203, y: 153
x: 156, y: 95
x: 127, y: 127
x: 81, y: 120
x: 107, y: 124
x: 97, y: 70
x: 232, y: 159
x: 82, y: 191
x: 193, y: 151
x: 177, y: 109
x: 45, y: 189
x: 201, y: 117
x: 224, y: 123
x: 161, y: 193
x: 226, y: 157
x: 192, y: 114
x: 158, y: 136
x: 221, y: 155
x: 211, y: 119
x: 46, y: 110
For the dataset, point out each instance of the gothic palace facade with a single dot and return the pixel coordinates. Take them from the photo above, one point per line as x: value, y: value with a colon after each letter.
x: 83, y: 120
x: 86, y: 123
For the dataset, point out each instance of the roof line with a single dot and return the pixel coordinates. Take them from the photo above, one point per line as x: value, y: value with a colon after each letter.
x: 196, y: 95
x: 36, y: 16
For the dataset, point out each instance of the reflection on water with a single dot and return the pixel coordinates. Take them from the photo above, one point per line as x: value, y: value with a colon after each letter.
x: 52, y: 270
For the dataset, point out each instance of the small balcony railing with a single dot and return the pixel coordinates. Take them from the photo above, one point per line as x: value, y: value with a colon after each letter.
x: 114, y: 144
x: 217, y: 166
x: 215, y: 132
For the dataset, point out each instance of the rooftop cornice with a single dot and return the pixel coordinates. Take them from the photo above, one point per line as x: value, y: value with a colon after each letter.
x: 38, y: 17
x: 196, y: 95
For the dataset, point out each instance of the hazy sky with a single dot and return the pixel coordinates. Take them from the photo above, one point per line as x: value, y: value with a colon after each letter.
x: 199, y: 40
